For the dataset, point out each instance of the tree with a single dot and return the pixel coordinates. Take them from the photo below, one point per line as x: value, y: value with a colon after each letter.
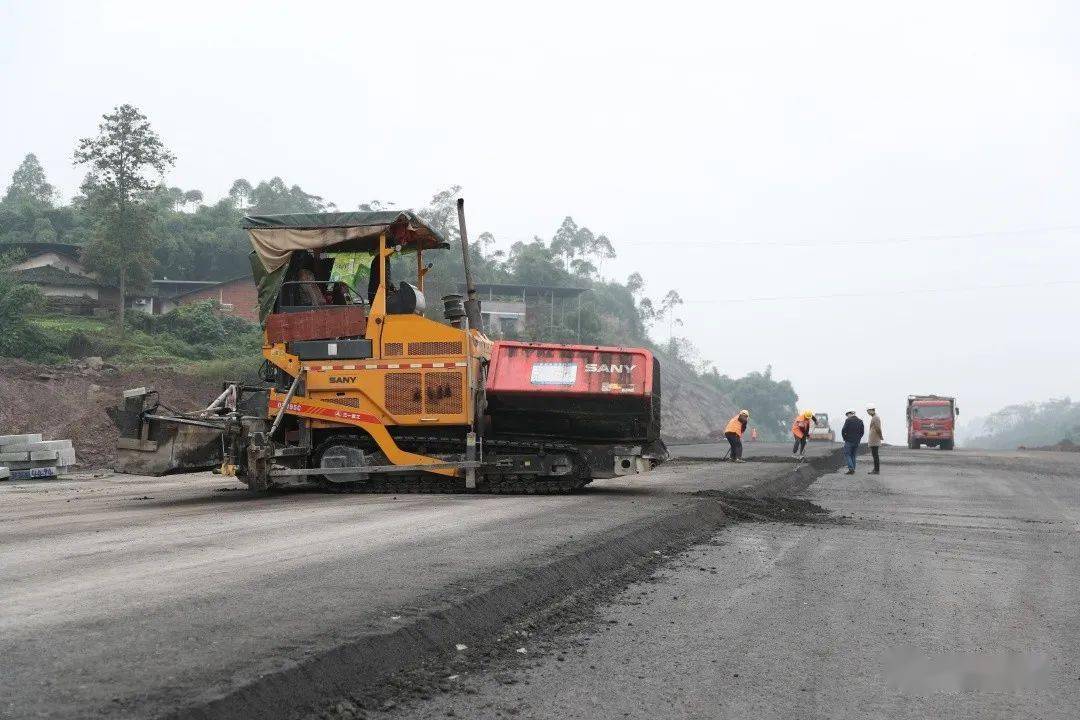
x: 241, y: 192
x: 441, y: 213
x: 28, y: 184
x: 176, y: 198
x: 771, y: 402
x: 668, y: 303
x: 127, y: 162
x: 581, y: 250
x: 274, y: 196
x: 193, y: 197
x: 43, y: 230
x: 376, y: 206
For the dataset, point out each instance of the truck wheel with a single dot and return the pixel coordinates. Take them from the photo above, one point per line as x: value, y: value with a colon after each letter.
x: 946, y: 445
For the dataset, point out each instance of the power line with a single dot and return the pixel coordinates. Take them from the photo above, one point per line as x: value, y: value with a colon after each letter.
x: 886, y: 293
x: 861, y: 243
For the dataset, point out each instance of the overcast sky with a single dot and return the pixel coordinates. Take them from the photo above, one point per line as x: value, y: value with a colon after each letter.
x: 892, y: 164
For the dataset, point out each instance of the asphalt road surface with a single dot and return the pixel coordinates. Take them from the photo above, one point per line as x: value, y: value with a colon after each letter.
x: 125, y: 596
x: 947, y: 587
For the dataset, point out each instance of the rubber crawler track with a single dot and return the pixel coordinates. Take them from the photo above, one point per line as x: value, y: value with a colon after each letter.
x: 488, y: 482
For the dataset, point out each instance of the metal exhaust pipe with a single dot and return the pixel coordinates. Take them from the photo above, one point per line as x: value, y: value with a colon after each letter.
x: 472, y: 305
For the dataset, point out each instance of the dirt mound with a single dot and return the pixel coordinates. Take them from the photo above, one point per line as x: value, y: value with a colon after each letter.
x: 70, y: 401
x: 768, y: 509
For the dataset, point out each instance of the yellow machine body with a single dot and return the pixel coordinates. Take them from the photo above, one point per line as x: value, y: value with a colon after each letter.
x: 422, y: 374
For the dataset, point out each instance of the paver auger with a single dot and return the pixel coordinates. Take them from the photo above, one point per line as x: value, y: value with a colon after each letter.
x: 364, y: 393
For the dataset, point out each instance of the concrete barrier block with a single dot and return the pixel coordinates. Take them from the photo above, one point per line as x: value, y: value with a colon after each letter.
x: 38, y: 445
x: 14, y: 456
x: 5, y: 473
x: 52, y: 445
x: 44, y: 454
x: 19, y: 439
x: 30, y: 464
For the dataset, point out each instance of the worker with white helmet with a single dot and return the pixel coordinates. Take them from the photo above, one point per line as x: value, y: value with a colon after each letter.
x: 875, y: 439
x: 733, y: 431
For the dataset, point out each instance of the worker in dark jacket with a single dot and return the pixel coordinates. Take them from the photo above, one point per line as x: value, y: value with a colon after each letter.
x: 852, y: 433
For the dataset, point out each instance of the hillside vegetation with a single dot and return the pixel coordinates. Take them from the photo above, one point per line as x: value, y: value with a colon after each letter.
x: 1033, y: 424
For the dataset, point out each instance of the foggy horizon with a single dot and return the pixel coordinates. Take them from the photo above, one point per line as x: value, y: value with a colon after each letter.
x: 875, y: 202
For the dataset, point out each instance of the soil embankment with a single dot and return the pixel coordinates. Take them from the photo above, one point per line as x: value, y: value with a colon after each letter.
x: 69, y: 401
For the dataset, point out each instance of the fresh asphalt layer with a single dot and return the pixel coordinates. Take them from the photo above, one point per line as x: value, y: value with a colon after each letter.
x: 946, y: 587
x: 136, y: 597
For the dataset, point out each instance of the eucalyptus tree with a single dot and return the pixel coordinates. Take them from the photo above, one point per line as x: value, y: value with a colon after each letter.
x: 29, y: 185
x: 127, y: 161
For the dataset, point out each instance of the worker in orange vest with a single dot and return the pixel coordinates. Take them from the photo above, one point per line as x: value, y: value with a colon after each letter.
x: 801, y: 430
x: 733, y: 432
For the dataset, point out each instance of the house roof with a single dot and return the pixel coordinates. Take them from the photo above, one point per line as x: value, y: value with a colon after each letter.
x: 526, y: 290
x: 34, y: 247
x: 210, y: 285
x: 52, y: 275
x: 70, y: 301
x: 165, y: 288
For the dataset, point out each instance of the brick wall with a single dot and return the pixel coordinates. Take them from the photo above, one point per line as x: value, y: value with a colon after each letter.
x: 238, y: 297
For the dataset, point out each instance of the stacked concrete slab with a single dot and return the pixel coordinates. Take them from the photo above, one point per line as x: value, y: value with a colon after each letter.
x: 28, y: 457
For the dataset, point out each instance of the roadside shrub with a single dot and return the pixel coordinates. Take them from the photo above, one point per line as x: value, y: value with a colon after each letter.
x: 18, y: 338
x: 191, y: 332
x: 80, y: 344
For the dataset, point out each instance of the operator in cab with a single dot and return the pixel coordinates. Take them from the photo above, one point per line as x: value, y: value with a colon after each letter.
x: 311, y: 290
x: 373, y: 279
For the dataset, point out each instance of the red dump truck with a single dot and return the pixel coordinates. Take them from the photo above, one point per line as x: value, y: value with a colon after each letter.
x: 931, y: 421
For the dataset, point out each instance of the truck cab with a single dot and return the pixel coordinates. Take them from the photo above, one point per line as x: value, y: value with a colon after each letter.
x: 931, y: 421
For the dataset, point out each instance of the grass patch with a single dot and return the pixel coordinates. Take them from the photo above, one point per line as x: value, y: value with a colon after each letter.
x: 243, y: 368
x: 71, y: 323
x: 192, y: 337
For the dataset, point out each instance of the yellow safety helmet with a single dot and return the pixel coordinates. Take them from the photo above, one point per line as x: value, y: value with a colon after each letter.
x: 808, y: 414
x: 745, y: 412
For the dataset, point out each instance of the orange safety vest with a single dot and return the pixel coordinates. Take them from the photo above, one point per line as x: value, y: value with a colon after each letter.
x: 801, y: 427
x: 734, y: 426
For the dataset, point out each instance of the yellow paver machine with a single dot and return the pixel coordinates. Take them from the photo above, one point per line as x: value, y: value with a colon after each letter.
x: 364, y: 392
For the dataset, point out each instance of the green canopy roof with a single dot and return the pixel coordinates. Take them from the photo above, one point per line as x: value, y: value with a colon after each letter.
x: 313, y: 221
x: 275, y: 238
